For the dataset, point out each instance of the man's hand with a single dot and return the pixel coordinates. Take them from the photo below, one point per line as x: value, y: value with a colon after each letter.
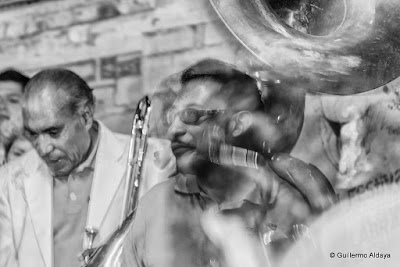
x: 310, y: 182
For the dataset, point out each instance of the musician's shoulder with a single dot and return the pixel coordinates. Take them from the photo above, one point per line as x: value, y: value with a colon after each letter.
x: 160, y: 189
x: 162, y: 194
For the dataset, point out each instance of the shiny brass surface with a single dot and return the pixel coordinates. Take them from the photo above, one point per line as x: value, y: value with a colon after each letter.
x: 343, y: 47
x: 108, y: 254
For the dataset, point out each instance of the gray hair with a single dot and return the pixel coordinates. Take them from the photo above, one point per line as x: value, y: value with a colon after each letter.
x: 77, y: 90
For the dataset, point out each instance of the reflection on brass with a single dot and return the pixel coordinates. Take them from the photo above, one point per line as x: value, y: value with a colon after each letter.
x: 109, y: 253
x: 336, y: 47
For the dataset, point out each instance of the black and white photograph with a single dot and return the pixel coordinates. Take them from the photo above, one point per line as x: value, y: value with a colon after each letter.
x: 199, y: 133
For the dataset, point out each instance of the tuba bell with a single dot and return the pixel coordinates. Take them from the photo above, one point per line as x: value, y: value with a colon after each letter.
x: 332, y: 46
x: 108, y: 254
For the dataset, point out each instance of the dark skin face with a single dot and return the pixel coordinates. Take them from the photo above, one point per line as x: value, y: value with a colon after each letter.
x: 10, y: 109
x: 185, y: 138
x: 62, y: 139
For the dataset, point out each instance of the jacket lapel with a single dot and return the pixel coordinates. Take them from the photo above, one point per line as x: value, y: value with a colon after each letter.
x: 38, y: 189
x: 108, y: 176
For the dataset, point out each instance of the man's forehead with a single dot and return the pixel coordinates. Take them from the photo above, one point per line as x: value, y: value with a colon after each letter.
x: 43, y: 110
x: 21, y: 143
x: 198, y: 93
x: 41, y: 100
x: 10, y: 87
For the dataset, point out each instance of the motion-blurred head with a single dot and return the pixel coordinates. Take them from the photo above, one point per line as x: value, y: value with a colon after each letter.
x: 58, y: 118
x: 214, y: 97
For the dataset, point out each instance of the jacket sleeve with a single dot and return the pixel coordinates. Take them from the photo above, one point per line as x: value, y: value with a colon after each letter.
x: 8, y: 253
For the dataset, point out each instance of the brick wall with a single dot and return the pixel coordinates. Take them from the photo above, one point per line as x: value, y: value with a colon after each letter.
x: 123, y: 48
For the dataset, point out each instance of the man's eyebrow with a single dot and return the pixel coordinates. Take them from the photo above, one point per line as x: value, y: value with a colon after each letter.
x: 26, y: 128
x: 52, y: 128
x: 195, y: 105
x: 45, y: 130
x: 190, y: 105
x: 18, y: 150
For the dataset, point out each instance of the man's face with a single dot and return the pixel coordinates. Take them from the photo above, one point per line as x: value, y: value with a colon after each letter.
x: 62, y: 139
x: 10, y: 110
x: 197, y: 95
x: 19, y: 147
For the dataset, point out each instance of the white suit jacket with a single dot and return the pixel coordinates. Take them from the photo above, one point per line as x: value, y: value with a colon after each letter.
x: 26, y: 187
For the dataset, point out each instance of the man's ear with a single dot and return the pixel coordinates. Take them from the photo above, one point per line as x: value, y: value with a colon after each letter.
x: 87, y: 116
x: 240, y: 123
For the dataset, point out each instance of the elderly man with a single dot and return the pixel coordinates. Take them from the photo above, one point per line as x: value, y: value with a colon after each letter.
x: 12, y: 85
x: 73, y: 179
x: 214, y: 130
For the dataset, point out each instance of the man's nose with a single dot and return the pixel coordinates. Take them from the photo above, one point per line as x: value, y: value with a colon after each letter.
x: 176, y: 129
x: 43, y: 145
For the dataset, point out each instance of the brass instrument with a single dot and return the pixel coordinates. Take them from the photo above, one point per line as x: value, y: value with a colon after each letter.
x: 343, y: 47
x: 340, y: 47
x: 109, y: 253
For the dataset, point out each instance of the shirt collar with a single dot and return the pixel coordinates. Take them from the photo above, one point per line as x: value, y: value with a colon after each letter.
x: 188, y: 185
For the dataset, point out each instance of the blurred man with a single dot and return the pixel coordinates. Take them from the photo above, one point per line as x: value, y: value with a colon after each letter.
x: 12, y: 85
x: 73, y: 179
x: 214, y: 125
x: 19, y: 147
